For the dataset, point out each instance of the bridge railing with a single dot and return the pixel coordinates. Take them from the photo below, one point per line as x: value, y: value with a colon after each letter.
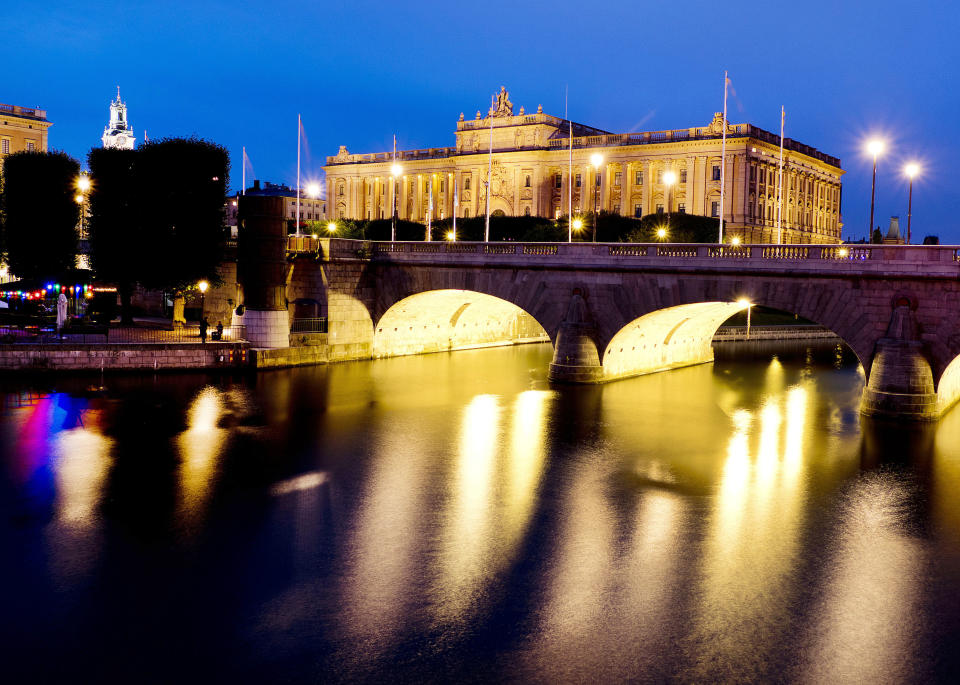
x: 907, y: 257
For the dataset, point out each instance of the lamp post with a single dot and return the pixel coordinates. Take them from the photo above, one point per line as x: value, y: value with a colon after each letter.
x: 744, y: 302
x: 83, y: 185
x: 875, y: 147
x: 395, y: 171
x: 596, y: 159
x: 910, y: 170
x: 669, y: 178
x: 203, y: 285
x: 577, y: 224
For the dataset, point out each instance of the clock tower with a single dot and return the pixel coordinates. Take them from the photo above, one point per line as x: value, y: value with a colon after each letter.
x: 118, y: 134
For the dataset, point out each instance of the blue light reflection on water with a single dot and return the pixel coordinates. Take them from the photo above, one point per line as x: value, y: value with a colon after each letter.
x: 456, y: 517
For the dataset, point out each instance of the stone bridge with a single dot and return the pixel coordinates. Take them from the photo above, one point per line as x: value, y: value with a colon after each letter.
x: 619, y: 310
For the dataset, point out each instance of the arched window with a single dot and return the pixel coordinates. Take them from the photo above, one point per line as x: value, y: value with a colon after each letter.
x: 526, y: 183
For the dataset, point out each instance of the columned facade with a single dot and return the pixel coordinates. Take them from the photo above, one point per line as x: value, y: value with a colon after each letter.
x: 531, y: 175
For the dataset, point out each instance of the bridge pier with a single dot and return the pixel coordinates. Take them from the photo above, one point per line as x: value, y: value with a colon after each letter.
x: 262, y: 269
x: 901, y: 379
x: 575, y: 356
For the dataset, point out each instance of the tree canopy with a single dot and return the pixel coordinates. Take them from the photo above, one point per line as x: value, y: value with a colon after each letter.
x: 181, y: 184
x: 40, y: 214
x: 116, y: 243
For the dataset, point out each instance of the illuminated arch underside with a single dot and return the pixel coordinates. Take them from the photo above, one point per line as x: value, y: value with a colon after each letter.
x: 666, y: 339
x: 948, y: 389
x: 441, y: 320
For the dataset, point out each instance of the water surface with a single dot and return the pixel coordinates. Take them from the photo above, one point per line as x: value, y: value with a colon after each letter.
x: 453, y: 517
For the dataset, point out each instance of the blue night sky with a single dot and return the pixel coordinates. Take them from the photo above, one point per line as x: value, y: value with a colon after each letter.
x: 238, y: 73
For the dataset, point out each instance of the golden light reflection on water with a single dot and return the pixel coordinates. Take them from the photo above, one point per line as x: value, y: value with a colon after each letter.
x: 525, y: 461
x: 200, y: 447
x: 866, y: 626
x: 753, y: 534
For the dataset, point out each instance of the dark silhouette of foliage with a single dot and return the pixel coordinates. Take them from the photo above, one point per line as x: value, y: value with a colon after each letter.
x: 40, y: 214
x: 181, y: 184
x: 931, y: 240
x: 117, y: 248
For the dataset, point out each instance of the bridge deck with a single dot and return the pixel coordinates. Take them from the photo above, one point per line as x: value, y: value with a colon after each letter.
x: 916, y: 261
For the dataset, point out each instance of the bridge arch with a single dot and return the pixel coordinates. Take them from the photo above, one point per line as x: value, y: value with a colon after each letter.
x: 677, y: 336
x: 452, y: 319
x: 948, y: 388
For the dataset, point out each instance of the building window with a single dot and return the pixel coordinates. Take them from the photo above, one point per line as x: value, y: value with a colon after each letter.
x: 638, y: 178
x: 683, y: 176
x: 636, y: 211
x: 558, y: 181
x: 30, y: 147
x: 682, y: 208
x: 443, y: 185
x: 659, y: 177
x: 556, y: 211
x: 617, y: 176
x: 578, y: 181
x: 526, y: 181
x: 5, y: 146
x: 597, y: 180
x: 659, y: 209
x: 466, y: 183
x: 340, y: 190
x: 715, y: 208
x: 753, y: 173
x: 526, y: 211
x: 716, y: 172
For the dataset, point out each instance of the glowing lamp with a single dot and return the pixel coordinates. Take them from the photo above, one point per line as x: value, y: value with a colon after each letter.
x: 911, y: 169
x: 596, y: 159
x: 78, y: 198
x: 83, y: 184
x: 875, y: 147
x: 744, y: 302
x: 451, y: 235
x: 735, y: 240
x: 577, y: 224
x: 669, y: 178
x: 313, y: 189
x: 203, y: 285
x: 395, y: 170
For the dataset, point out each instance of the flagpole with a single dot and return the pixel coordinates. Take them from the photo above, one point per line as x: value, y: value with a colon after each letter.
x: 780, y: 182
x: 566, y: 115
x: 456, y: 204
x: 393, y: 194
x: 298, y: 174
x: 723, y: 153
x: 429, y: 206
x: 243, y: 163
x: 486, y: 230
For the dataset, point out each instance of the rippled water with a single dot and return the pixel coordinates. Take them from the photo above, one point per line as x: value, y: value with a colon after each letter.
x: 452, y: 517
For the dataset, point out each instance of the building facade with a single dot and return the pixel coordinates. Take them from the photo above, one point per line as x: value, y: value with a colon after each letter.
x: 311, y: 208
x: 22, y: 128
x: 531, y: 175
x: 118, y: 133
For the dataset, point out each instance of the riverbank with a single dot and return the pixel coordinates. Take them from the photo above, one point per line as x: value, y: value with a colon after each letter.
x: 123, y: 357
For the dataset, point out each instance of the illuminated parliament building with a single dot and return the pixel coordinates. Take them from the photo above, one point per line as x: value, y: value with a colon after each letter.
x: 531, y: 175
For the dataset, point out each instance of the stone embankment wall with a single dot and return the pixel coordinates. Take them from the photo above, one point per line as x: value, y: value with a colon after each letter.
x: 93, y: 357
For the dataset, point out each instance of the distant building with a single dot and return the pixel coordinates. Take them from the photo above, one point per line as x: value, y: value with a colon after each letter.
x: 311, y: 208
x: 531, y: 175
x: 118, y: 133
x: 22, y: 128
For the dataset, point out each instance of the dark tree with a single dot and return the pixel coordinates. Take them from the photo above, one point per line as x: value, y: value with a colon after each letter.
x: 931, y: 240
x: 117, y: 249
x: 181, y: 185
x: 40, y: 214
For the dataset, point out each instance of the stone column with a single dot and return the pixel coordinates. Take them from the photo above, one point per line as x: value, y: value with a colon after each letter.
x: 901, y: 380
x: 262, y: 270
x: 575, y: 356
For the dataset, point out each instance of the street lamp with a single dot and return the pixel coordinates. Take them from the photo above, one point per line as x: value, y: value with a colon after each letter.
x: 910, y: 170
x: 746, y: 304
x: 875, y: 147
x: 661, y: 233
x: 596, y: 159
x: 83, y: 185
x: 669, y: 178
x: 395, y: 171
x: 332, y: 227
x: 451, y: 236
x: 577, y: 224
x: 203, y: 285
x: 735, y: 240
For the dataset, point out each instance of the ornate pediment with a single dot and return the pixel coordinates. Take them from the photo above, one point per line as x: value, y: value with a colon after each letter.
x: 716, y: 126
x: 500, y: 105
